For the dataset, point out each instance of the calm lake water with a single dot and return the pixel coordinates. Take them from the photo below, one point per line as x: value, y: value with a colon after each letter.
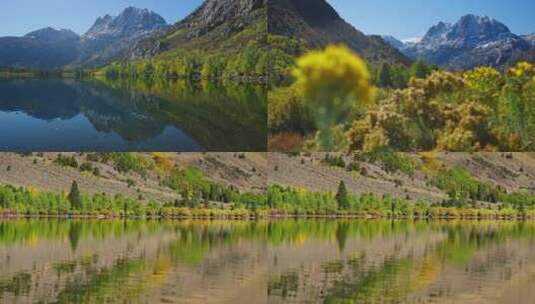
x: 51, y: 261
x: 104, y: 115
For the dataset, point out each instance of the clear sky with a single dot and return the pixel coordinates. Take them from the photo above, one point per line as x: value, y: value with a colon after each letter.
x: 18, y: 17
x: 412, y: 18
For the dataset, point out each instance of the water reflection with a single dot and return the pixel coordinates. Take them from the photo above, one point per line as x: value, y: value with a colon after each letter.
x: 108, y: 115
x: 266, y: 262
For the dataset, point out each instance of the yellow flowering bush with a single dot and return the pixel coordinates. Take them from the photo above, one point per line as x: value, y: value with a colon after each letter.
x: 466, y: 128
x: 521, y: 70
x: 482, y: 75
x: 438, y: 83
x: 380, y: 129
x: 485, y: 84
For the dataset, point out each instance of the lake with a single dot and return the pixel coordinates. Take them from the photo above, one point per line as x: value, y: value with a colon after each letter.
x: 289, y: 261
x: 131, y: 115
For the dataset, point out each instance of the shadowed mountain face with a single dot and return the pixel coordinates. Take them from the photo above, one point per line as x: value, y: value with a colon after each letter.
x: 470, y: 42
x: 45, y: 49
x: 318, y: 24
x: 107, y: 39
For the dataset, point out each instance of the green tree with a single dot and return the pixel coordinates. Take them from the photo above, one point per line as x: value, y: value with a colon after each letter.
x: 342, y: 196
x: 74, y: 196
x: 385, y: 78
x: 420, y: 69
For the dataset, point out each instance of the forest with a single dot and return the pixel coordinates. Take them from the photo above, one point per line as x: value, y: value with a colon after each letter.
x: 249, y: 64
x: 332, y: 100
x: 251, y: 61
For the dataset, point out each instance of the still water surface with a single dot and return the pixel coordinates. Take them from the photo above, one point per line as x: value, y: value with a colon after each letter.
x: 135, y: 115
x: 51, y: 261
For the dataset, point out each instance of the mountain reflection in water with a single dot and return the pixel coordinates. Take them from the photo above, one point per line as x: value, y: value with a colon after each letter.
x: 68, y: 115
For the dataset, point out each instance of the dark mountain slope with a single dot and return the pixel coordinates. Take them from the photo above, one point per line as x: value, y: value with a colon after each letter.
x: 47, y: 48
x: 318, y: 24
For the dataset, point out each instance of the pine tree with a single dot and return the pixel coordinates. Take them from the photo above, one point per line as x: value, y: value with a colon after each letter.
x: 342, y: 197
x: 385, y: 76
x: 74, y: 197
x: 420, y: 69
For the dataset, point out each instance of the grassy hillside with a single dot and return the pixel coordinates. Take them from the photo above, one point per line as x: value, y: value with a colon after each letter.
x: 485, y: 181
x: 131, y: 184
x: 245, y: 185
x: 146, y: 170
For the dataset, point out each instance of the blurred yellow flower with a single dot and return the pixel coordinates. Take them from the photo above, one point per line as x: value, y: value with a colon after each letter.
x: 336, y: 70
x: 334, y: 82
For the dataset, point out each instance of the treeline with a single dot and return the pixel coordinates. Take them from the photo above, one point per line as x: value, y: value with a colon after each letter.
x: 218, y: 202
x: 399, y: 76
x: 465, y: 191
x: 34, y: 73
x: 251, y: 61
x: 284, y: 201
x: 21, y: 201
x: 294, y: 201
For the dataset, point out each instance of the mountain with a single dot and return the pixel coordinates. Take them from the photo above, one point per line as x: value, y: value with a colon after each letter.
x: 106, y: 40
x: 214, y: 27
x: 110, y: 37
x: 131, y: 23
x: 470, y: 42
x: 52, y: 35
x: 530, y: 39
x: 46, y: 48
x: 317, y: 23
x: 394, y: 42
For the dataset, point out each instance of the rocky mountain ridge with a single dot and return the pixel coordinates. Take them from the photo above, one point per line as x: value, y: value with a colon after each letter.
x: 132, y: 22
x: 111, y: 36
x: 472, y: 41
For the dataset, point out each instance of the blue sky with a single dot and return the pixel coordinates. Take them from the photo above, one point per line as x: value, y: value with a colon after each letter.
x: 411, y: 18
x: 18, y: 17
x: 400, y: 18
